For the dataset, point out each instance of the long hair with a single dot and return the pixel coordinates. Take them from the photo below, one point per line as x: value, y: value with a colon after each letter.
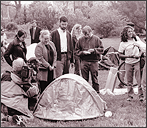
x: 74, y: 31
x: 124, y: 35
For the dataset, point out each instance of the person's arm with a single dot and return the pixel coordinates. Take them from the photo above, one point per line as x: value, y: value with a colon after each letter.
x: 122, y: 56
x: 39, y: 56
x: 99, y: 49
x: 7, y: 54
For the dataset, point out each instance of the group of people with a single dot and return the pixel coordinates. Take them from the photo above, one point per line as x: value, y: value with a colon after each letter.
x: 56, y: 51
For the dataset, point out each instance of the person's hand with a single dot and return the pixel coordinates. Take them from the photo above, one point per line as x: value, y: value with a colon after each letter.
x: 72, y: 65
x: 86, y: 52
x: 136, y: 57
x: 90, y: 50
x: 51, y: 68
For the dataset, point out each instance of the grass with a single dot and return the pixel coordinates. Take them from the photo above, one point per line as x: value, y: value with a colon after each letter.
x: 125, y: 114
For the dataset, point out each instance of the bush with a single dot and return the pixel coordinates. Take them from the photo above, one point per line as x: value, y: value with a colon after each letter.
x: 10, y: 34
x: 105, y: 28
x: 11, y: 26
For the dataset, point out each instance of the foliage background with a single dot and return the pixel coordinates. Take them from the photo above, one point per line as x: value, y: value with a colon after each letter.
x: 107, y: 18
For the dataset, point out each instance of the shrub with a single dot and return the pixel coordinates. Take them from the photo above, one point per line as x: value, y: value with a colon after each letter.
x: 11, y: 26
x: 10, y: 34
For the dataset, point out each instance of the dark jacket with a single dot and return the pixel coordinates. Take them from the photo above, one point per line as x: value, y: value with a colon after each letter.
x: 37, y: 34
x: 93, y: 43
x: 15, y: 50
x: 55, y: 38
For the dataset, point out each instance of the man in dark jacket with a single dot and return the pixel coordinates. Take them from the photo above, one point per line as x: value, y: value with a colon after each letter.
x: 35, y: 32
x: 62, y: 40
x: 89, y: 48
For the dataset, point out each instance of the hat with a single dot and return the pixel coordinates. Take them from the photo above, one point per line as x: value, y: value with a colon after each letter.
x: 131, y: 24
x: 17, y: 64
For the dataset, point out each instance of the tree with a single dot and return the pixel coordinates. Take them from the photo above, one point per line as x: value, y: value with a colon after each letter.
x: 135, y: 11
x: 17, y: 5
x: 44, y: 13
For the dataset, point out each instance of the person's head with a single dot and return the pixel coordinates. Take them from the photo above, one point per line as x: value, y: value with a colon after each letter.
x: 63, y: 22
x: 44, y: 36
x: 17, y: 66
x: 127, y: 33
x: 21, y: 35
x: 34, y: 23
x: 76, y: 30
x: 87, y: 31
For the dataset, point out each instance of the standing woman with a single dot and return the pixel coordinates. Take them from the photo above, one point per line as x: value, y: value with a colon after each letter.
x: 131, y: 52
x: 17, y: 48
x: 76, y: 33
x: 46, y: 53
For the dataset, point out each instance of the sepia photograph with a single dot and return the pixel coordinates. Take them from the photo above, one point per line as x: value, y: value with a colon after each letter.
x: 73, y: 63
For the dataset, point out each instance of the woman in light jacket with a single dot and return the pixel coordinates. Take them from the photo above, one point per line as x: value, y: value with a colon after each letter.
x: 46, y: 53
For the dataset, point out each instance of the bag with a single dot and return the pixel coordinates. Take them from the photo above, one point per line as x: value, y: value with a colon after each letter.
x: 111, y: 79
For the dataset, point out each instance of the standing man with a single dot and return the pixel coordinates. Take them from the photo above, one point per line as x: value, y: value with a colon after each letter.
x: 89, y: 48
x: 35, y: 32
x: 62, y: 40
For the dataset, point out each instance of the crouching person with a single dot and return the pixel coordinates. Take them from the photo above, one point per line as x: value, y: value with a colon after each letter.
x: 15, y: 93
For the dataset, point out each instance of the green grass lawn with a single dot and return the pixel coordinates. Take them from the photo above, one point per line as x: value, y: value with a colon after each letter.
x: 125, y: 114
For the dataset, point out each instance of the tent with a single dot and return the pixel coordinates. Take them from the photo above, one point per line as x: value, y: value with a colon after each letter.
x: 69, y: 97
x: 110, y: 59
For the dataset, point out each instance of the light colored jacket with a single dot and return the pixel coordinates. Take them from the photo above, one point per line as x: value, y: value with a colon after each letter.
x: 12, y: 95
x: 42, y: 55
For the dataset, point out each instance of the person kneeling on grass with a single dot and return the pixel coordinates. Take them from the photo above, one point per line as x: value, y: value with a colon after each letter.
x: 15, y: 93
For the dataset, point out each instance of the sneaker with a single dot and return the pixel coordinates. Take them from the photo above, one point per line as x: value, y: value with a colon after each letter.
x: 18, y: 120
x: 130, y: 98
x: 120, y: 85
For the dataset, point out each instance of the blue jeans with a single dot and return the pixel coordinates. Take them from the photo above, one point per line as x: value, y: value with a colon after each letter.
x: 62, y: 66
x: 92, y: 67
x: 130, y: 70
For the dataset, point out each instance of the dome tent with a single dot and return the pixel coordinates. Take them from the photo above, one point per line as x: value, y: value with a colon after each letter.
x: 69, y: 97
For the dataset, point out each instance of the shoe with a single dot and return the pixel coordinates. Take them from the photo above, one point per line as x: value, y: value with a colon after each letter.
x: 134, y: 85
x: 141, y: 98
x: 98, y: 92
x: 5, y: 118
x: 130, y: 98
x: 18, y: 120
x: 120, y: 85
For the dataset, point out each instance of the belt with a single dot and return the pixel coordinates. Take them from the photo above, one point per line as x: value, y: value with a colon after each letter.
x: 63, y: 52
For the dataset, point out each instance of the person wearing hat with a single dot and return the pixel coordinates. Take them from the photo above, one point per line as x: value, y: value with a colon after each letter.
x: 17, y: 48
x: 35, y: 32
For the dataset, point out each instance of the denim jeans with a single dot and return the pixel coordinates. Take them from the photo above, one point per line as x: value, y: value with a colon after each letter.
x: 91, y: 67
x: 130, y: 70
x: 62, y: 67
